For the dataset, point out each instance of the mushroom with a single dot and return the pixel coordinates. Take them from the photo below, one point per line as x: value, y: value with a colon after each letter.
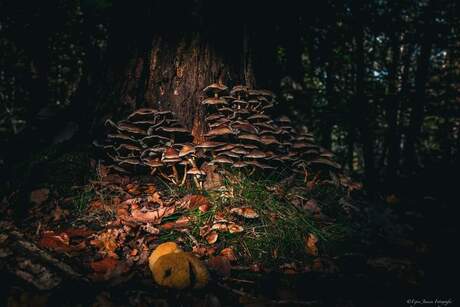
x: 198, y: 176
x: 215, y: 89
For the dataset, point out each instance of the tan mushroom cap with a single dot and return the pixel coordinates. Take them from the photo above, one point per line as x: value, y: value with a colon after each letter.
x: 215, y: 88
x: 152, y: 163
x: 247, y: 136
x: 128, y: 127
x: 219, y: 131
x: 209, y: 144
x: 195, y: 171
x: 169, y: 154
x: 240, y: 164
x: 129, y: 161
x: 246, y: 127
x: 222, y: 160
x: 256, y: 154
x: 129, y: 147
x: 213, y: 117
x: 259, y: 165
x: 228, y: 154
x: 212, y: 101
x: 239, y: 151
x: 239, y: 89
x: 186, y: 150
x: 225, y: 147
x: 269, y: 140
x: 174, y: 129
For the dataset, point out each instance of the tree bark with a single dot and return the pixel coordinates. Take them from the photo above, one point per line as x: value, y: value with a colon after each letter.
x: 173, y: 51
x: 421, y: 77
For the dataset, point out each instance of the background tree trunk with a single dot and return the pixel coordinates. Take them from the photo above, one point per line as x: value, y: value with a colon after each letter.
x: 173, y: 51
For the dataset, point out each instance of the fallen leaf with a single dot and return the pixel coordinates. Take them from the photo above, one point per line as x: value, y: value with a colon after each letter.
x: 193, y: 201
x: 220, y: 264
x: 228, y: 253
x: 78, y: 232
x: 203, y: 250
x: 104, y: 265
x: 106, y: 242
x: 310, y: 244
x: 155, y: 198
x: 57, y: 242
x: 212, y: 237
x: 245, y: 212
x: 154, y: 216
x: 39, y: 196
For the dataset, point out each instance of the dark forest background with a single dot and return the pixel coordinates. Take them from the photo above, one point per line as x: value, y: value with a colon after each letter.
x: 377, y: 81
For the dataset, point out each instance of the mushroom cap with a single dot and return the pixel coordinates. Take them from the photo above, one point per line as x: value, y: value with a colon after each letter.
x: 238, y: 89
x: 219, y: 131
x: 120, y: 136
x: 259, y: 165
x: 213, y: 117
x: 222, y: 160
x: 195, y: 171
x: 209, y: 144
x: 128, y: 147
x: 175, y: 130
x: 170, y: 153
x: 256, y: 154
x: 239, y: 151
x: 215, y: 88
x: 128, y: 127
x: 186, y: 150
x: 259, y: 117
x: 129, y: 161
x: 246, y: 127
x: 269, y: 140
x: 247, y: 136
x: 239, y: 164
x: 228, y: 154
x: 212, y: 101
x: 225, y: 147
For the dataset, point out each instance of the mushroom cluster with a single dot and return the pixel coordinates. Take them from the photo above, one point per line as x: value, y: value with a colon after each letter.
x: 243, y: 134
x: 153, y: 140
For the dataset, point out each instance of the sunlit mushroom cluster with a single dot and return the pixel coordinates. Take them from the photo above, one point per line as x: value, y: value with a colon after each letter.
x: 241, y: 133
x: 155, y: 140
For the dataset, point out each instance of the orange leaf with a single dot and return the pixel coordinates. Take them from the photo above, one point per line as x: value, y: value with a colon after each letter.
x: 105, y: 265
x: 57, y: 242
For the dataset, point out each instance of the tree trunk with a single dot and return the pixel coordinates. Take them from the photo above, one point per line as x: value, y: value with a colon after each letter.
x: 421, y: 77
x: 173, y: 51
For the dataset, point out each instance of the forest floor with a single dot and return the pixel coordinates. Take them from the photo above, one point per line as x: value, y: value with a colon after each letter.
x: 74, y: 234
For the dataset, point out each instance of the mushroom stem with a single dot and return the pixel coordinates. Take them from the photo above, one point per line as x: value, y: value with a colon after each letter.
x: 197, y: 183
x: 175, y: 173
x: 164, y: 176
x: 153, y: 171
x: 185, y: 176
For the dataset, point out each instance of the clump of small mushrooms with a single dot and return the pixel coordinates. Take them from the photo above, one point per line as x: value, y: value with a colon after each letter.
x: 241, y: 133
x: 153, y: 140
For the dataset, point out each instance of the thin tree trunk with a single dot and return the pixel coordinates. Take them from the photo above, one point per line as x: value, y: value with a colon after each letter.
x: 419, y: 101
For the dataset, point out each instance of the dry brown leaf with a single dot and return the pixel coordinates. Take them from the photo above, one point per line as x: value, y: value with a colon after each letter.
x: 245, y: 212
x: 212, y: 237
x: 220, y: 264
x: 155, y: 198
x: 228, y: 253
x: 193, y: 201
x: 154, y: 216
x: 39, y: 196
x: 310, y: 244
x: 203, y: 250
x: 54, y: 241
x: 204, y: 230
x: 106, y: 242
x: 104, y: 265
x: 78, y: 232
